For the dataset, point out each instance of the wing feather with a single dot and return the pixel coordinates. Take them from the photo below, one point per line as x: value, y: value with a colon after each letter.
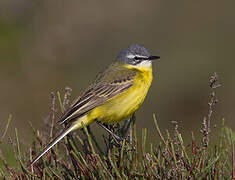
x: 102, y: 90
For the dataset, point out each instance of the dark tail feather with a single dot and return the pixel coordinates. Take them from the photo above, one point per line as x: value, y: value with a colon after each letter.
x: 53, y: 142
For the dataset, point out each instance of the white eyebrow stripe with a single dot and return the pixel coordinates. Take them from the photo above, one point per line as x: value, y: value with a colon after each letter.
x: 132, y: 56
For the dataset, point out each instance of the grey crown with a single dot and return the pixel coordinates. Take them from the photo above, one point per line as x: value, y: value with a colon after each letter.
x: 135, y: 50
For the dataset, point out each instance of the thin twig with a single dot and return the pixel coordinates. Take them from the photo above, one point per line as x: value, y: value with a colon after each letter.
x: 8, y: 123
x: 52, y: 113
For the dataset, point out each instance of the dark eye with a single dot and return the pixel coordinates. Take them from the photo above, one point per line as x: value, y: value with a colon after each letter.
x: 137, y: 60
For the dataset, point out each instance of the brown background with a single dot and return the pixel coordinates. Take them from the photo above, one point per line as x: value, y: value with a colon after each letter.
x: 47, y: 45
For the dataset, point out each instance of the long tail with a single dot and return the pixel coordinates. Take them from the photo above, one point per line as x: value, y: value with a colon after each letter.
x: 53, y: 142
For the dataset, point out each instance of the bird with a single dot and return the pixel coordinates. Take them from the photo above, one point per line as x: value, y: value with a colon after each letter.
x: 115, y: 94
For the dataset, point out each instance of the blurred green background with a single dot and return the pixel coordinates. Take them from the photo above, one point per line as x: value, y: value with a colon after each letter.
x: 48, y: 45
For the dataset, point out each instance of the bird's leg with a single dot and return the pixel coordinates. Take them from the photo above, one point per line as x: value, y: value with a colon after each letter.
x: 115, y: 137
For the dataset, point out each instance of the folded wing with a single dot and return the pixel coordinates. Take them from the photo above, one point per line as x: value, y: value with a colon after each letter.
x: 109, y: 83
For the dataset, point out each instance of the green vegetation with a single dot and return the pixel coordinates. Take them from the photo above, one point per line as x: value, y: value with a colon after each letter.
x: 82, y: 157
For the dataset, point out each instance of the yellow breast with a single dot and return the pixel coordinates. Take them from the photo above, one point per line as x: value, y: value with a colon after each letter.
x: 126, y: 103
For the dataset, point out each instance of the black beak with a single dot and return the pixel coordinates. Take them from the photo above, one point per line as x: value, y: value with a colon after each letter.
x: 154, y: 57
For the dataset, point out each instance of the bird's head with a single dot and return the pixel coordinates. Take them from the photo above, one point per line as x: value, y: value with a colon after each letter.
x: 136, y: 56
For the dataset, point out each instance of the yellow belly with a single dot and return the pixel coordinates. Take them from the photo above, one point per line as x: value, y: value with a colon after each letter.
x: 126, y: 103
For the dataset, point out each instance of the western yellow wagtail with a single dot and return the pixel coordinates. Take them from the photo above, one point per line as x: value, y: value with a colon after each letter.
x: 116, y: 93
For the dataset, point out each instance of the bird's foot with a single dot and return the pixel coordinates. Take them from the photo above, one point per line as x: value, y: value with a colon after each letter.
x: 115, y: 137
